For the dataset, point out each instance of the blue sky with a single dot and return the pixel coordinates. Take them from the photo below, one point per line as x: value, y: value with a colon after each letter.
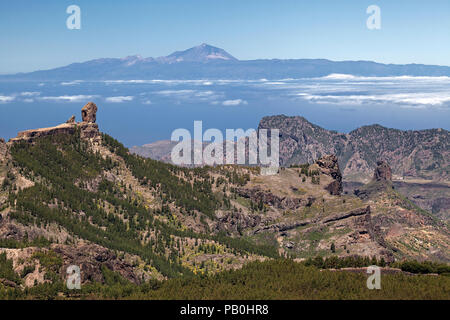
x: 34, y: 36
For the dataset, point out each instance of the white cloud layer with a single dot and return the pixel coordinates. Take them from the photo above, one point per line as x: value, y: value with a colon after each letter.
x: 6, y: 99
x: 119, y: 99
x: 235, y: 102
x: 30, y: 93
x: 66, y: 98
x: 411, y: 99
x: 71, y: 83
x: 339, y: 89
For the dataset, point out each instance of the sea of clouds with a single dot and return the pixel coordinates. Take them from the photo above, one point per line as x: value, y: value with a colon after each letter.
x: 335, y: 89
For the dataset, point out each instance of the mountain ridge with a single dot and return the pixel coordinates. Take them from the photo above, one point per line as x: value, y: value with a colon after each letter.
x: 302, y: 141
x: 205, y: 61
x: 76, y: 196
x: 413, y: 153
x: 419, y: 158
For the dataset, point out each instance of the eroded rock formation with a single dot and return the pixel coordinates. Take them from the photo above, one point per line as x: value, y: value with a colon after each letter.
x: 329, y: 166
x: 382, y: 180
x: 382, y: 172
x: 71, y: 120
x: 2, y: 148
x: 90, y: 258
x: 88, y: 128
x: 89, y: 112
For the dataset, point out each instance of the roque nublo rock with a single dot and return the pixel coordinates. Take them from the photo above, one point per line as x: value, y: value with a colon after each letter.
x: 89, y: 112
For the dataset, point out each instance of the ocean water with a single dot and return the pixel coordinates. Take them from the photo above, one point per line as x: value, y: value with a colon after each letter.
x: 142, y: 111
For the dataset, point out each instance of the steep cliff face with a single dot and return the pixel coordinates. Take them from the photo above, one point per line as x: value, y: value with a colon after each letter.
x: 415, y: 154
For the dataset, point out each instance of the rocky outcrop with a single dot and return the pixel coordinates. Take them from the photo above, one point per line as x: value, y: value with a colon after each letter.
x: 382, y: 180
x: 89, y: 131
x: 90, y: 258
x: 382, y: 172
x: 334, y: 188
x: 281, y: 227
x: 3, y: 149
x: 258, y: 195
x: 10, y: 230
x: 88, y: 128
x: 89, y: 112
x: 71, y: 120
x: 329, y: 166
x: 236, y: 222
x: 30, y: 135
x: 346, y: 215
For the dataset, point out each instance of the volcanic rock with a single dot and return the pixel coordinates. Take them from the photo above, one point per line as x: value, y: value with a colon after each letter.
x: 88, y: 128
x: 87, y: 131
x: 235, y: 221
x: 89, y: 112
x: 381, y: 181
x: 329, y: 166
x: 71, y: 120
x: 382, y: 172
x: 90, y: 258
x: 2, y: 148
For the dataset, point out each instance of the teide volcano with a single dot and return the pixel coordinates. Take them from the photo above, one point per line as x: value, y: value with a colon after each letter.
x: 208, y: 62
x: 201, y: 53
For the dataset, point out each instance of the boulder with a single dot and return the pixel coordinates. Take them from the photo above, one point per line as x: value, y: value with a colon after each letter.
x: 89, y: 112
